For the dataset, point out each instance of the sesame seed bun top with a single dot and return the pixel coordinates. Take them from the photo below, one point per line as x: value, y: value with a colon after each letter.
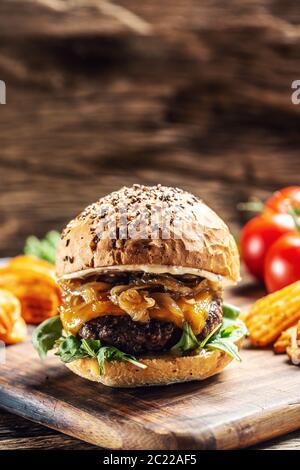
x: 141, y: 227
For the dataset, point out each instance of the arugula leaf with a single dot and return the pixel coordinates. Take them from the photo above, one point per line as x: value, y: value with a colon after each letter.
x: 236, y: 328
x: 226, y: 345
x: 32, y: 246
x: 110, y: 353
x: 187, y: 342
x: 227, y: 332
x: 230, y: 311
x: 53, y: 237
x: 69, y: 349
x: 224, y: 340
x: 45, y: 248
x: 91, y: 346
x: 46, y: 334
x: 209, y: 337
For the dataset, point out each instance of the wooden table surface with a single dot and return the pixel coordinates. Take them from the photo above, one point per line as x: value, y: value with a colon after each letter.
x: 18, y: 433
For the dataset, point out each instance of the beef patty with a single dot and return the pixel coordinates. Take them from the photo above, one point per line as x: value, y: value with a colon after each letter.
x: 135, y: 337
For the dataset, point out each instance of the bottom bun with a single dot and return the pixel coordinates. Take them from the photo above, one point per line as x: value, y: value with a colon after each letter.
x: 161, y: 370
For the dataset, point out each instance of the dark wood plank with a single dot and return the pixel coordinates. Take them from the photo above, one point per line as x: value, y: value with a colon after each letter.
x: 56, y: 441
x: 288, y: 442
x: 18, y: 433
x: 199, y: 98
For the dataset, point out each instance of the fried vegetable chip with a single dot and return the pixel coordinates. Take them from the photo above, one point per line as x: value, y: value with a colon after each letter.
x: 33, y: 282
x: 12, y: 326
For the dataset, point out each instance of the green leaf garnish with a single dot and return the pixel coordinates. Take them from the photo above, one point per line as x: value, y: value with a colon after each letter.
x: 222, y: 338
x: 211, y: 334
x: 235, y: 327
x: 91, y: 346
x: 229, y: 330
x: 225, y: 339
x: 45, y: 248
x: 53, y: 238
x: 187, y: 342
x: 69, y: 349
x: 110, y: 353
x: 230, y: 311
x: 224, y: 344
x: 226, y: 333
x: 46, y: 334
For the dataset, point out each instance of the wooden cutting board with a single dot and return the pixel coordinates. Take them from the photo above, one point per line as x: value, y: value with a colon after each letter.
x: 245, y: 404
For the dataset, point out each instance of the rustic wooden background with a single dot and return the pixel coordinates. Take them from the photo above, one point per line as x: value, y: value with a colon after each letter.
x: 183, y: 92
x: 100, y: 94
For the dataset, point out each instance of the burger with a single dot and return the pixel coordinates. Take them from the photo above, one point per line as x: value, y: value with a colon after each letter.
x: 142, y: 273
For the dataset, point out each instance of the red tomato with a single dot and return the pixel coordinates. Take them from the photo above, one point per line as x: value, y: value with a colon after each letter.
x: 258, y: 235
x: 284, y: 199
x: 282, y: 265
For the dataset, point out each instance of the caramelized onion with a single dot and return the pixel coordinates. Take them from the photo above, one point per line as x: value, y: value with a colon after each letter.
x: 89, y: 292
x: 167, y: 282
x: 116, y: 291
x: 166, y: 301
x: 143, y: 297
x: 136, y: 304
x: 96, y: 286
x: 203, y: 285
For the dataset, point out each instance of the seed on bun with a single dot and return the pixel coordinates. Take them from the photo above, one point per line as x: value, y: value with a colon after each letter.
x: 198, y: 241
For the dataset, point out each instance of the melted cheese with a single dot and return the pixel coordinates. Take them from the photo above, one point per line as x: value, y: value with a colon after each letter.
x: 194, y: 310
